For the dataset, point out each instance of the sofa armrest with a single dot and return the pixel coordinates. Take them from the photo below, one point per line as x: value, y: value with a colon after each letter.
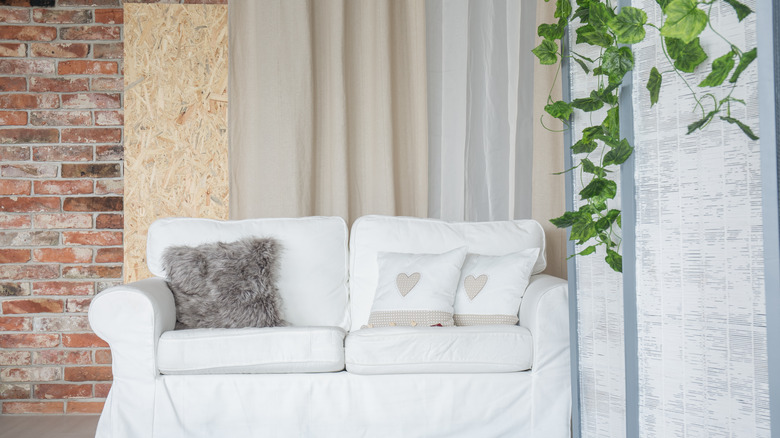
x: 131, y: 319
x: 545, y: 312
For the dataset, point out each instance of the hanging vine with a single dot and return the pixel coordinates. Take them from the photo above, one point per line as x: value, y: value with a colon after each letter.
x: 601, y: 25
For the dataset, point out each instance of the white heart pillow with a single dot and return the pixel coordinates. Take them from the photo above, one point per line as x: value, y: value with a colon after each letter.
x: 416, y: 289
x: 491, y: 288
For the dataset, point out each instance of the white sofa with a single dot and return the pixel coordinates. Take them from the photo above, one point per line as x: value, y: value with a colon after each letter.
x: 478, y: 381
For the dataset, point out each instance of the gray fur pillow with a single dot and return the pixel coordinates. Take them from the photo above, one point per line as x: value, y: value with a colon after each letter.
x: 225, y: 285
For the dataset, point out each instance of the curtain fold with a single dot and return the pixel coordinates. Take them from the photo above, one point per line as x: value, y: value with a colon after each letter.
x: 327, y: 108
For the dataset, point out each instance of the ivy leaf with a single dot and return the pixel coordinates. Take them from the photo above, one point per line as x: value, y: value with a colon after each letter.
x: 583, y: 230
x: 584, y: 147
x: 618, y: 154
x: 721, y: 68
x: 589, y: 167
x: 741, y: 10
x: 587, y: 251
x: 628, y: 25
x: 562, y: 8
x: 654, y: 85
x: 744, y: 62
x: 582, y: 64
x: 699, y: 123
x: 599, y: 188
x: 613, y: 215
x: 686, y: 56
x: 582, y: 13
x: 617, y: 62
x: 745, y: 128
x: 611, y: 123
x: 568, y: 219
x: 550, y: 31
x: 590, y: 35
x: 661, y: 3
x: 684, y: 20
x: 559, y: 110
x: 588, y: 104
x: 614, y: 260
x: 600, y: 15
x: 547, y: 52
x: 591, y: 132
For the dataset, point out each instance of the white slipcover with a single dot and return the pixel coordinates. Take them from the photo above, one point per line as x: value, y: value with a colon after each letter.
x: 410, y: 350
x: 252, y: 350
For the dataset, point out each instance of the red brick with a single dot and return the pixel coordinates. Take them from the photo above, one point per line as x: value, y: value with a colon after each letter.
x: 14, y: 358
x: 13, y: 84
x: 36, y: 170
x: 33, y: 305
x: 102, y: 389
x: 15, y: 324
x: 62, y: 153
x: 29, y: 340
x: 62, y: 16
x: 62, y: 357
x: 91, y: 100
x: 63, y: 288
x: 85, y: 374
x: 89, y: 203
x: 82, y: 340
x: 89, y: 33
x: 9, y: 118
x: 91, y: 135
x: 14, y: 391
x: 85, y: 407
x: 66, y: 85
x: 206, y: 2
x: 59, y: 391
x: 91, y: 171
x: 63, y: 255
x: 77, y: 305
x: 29, y: 238
x: 108, y: 118
x: 18, y: 3
x: 110, y: 221
x: 14, y: 187
x: 108, y: 51
x: 61, y: 324
x: 29, y: 272
x: 61, y: 3
x: 14, y: 153
x: 109, y: 186
x: 15, y: 16
x: 14, y: 255
x: 110, y: 153
x: 59, y: 50
x: 26, y: 66
x: 28, y: 33
x: 33, y: 407
x: 74, y: 187
x: 86, y: 67
x: 109, y: 16
x: 28, y: 135
x: 60, y: 118
x: 32, y: 374
x: 10, y: 221
x: 109, y: 255
x: 102, y: 357
x: 29, y: 101
x: 13, y: 50
x: 92, y: 271
x: 29, y: 205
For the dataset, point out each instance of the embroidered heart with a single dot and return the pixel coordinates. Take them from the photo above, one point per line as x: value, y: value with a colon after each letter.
x: 406, y: 283
x: 474, y: 285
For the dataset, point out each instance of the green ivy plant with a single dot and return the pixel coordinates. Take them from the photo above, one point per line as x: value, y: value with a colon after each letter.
x: 611, y: 31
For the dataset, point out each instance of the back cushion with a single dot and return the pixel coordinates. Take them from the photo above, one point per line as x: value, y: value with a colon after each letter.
x: 312, y: 269
x: 372, y: 234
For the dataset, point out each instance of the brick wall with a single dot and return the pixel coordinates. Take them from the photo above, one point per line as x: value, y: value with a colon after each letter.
x: 60, y: 198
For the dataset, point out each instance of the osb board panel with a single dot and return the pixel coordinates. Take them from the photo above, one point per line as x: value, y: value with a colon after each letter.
x: 176, y: 145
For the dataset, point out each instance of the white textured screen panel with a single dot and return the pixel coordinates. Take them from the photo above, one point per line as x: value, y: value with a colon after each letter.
x: 599, y: 302
x: 700, y: 288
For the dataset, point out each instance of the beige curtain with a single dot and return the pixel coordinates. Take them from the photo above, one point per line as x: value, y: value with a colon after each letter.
x: 327, y: 108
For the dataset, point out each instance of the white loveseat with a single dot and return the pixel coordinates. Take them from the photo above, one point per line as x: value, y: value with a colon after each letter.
x: 478, y: 381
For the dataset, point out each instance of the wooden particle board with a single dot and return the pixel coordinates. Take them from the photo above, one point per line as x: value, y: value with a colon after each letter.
x: 176, y: 144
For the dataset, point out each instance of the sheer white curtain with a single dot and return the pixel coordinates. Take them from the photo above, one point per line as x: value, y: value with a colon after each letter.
x: 480, y: 106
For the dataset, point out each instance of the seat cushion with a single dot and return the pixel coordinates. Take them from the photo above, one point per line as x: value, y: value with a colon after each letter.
x: 252, y: 350
x: 410, y: 350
